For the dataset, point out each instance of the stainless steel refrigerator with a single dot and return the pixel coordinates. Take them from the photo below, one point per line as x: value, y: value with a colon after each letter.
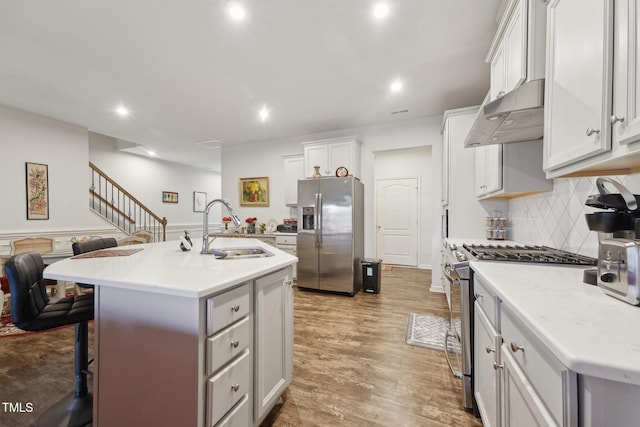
x: 330, y: 241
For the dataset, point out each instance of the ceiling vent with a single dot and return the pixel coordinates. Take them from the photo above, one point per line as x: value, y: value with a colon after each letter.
x: 214, y: 143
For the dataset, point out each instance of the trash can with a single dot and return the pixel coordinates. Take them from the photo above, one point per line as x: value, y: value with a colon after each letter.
x: 371, y: 275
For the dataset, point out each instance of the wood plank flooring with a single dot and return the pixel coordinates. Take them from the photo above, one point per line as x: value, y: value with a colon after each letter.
x: 352, y: 366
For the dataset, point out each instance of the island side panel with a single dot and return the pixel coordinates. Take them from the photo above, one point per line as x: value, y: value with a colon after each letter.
x: 147, y: 359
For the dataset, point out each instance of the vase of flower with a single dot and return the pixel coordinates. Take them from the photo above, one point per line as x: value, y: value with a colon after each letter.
x: 251, y: 225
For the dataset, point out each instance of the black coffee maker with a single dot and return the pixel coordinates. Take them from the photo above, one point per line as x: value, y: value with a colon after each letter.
x: 619, y: 219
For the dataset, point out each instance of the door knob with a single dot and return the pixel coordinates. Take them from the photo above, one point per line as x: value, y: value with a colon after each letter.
x: 615, y: 119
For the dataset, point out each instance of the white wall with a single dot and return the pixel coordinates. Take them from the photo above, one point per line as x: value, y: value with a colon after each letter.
x: 27, y: 137
x: 145, y: 178
x: 265, y: 159
x: 413, y: 163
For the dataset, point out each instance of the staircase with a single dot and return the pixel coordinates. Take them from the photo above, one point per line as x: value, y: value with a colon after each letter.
x: 116, y: 205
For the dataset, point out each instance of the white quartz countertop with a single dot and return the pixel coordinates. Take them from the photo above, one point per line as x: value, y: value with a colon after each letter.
x: 589, y: 332
x: 164, y: 268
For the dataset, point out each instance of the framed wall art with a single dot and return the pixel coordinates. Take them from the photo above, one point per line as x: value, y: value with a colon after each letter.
x: 254, y: 191
x: 37, y: 176
x: 169, y: 197
x: 199, y: 201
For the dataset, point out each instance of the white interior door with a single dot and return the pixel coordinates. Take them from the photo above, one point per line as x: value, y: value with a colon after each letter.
x: 397, y: 221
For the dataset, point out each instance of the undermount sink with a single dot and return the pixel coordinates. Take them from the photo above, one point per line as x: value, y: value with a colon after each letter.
x: 240, y: 253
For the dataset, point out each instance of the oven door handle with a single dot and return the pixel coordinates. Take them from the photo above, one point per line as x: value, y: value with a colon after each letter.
x: 447, y: 274
x: 456, y: 373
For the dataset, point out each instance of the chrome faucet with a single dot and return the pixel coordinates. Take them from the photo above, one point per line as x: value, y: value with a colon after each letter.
x: 205, y: 226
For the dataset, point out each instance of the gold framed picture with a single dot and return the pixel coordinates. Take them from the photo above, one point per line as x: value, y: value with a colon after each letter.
x: 254, y: 191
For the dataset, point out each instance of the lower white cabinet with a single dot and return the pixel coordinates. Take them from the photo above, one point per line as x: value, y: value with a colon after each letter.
x: 273, y: 339
x: 287, y: 242
x: 248, y: 350
x: 486, y: 368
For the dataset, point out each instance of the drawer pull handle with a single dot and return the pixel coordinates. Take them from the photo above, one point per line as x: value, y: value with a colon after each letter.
x: 235, y: 308
x: 235, y: 344
x: 515, y: 347
x: 489, y: 350
x: 478, y: 296
x: 235, y: 387
x: 496, y: 366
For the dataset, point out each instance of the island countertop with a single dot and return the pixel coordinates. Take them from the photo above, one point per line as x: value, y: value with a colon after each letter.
x: 165, y: 269
x: 588, y: 331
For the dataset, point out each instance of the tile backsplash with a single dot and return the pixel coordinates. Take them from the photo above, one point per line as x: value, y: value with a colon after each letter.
x: 557, y: 218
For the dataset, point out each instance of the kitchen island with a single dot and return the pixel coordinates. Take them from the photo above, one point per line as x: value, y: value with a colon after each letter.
x: 187, y: 339
x: 565, y: 354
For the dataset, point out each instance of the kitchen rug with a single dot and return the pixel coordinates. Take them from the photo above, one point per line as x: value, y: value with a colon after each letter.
x: 425, y: 330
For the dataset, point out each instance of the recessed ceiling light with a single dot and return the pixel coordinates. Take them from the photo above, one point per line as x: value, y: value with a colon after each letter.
x: 380, y: 10
x: 236, y: 11
x: 263, y: 114
x: 122, y: 111
x: 396, y: 86
x: 151, y: 153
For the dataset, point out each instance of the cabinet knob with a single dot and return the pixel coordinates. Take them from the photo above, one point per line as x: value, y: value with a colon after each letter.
x: 478, y: 296
x: 496, y: 366
x: 235, y: 344
x: 591, y: 131
x: 235, y: 308
x: 615, y: 119
x: 235, y: 387
x: 489, y: 350
x: 515, y: 347
x: 500, y: 94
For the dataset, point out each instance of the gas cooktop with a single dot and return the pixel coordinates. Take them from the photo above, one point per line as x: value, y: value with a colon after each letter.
x: 527, y: 253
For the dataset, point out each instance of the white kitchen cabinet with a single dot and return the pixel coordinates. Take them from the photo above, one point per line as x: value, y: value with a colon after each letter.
x: 537, y: 388
x: 510, y: 170
x: 330, y: 154
x: 591, y: 116
x: 287, y: 242
x: 488, y: 169
x: 486, y: 368
x: 516, y: 54
x: 508, y: 60
x: 273, y: 339
x: 293, y: 171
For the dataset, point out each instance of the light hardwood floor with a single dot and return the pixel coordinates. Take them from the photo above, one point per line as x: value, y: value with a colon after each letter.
x: 352, y: 366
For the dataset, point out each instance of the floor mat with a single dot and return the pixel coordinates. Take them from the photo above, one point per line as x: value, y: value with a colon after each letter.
x: 425, y: 330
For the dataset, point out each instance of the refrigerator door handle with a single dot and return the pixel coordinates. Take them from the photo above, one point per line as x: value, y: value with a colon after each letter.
x: 318, y: 219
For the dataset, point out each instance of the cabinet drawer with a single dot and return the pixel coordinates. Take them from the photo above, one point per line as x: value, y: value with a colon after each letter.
x: 227, y: 387
x: 488, y: 300
x: 226, y: 308
x: 227, y: 344
x: 238, y: 416
x: 286, y: 239
x: 544, y: 372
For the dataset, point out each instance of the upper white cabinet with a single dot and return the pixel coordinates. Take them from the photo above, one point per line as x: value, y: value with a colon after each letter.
x: 330, y: 154
x: 293, y: 171
x: 510, y: 170
x: 517, y: 52
x: 591, y: 116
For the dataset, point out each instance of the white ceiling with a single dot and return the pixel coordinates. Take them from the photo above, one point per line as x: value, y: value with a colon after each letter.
x: 188, y: 73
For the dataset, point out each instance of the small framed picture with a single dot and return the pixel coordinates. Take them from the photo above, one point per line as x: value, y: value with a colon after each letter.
x: 199, y: 201
x: 254, y: 191
x: 169, y: 197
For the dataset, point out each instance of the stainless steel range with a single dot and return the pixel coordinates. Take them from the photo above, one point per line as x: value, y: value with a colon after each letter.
x: 459, y: 290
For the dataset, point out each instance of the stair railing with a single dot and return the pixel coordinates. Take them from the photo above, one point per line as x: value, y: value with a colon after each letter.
x: 119, y: 207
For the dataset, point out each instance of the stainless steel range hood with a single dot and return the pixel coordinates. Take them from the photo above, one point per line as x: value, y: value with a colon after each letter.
x: 516, y: 117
